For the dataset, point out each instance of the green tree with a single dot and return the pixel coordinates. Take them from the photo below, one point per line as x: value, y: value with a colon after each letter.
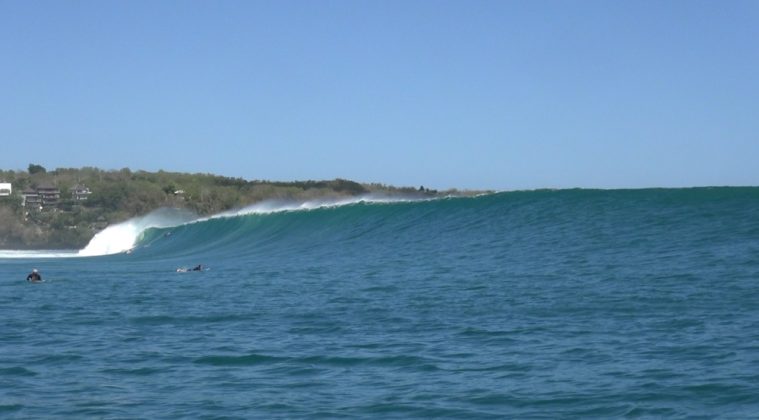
x: 36, y: 169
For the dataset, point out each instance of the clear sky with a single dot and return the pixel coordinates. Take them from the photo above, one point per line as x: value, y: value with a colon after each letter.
x: 468, y: 94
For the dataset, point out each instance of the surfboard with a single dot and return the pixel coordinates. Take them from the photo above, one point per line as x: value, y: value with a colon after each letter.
x: 190, y: 270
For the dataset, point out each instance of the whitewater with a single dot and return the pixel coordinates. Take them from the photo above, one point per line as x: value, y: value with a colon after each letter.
x: 531, y: 304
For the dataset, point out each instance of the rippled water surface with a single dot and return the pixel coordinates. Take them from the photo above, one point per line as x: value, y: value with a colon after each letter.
x: 547, y: 304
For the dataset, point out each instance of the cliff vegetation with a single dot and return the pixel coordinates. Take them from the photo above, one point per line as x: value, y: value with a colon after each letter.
x: 64, y: 208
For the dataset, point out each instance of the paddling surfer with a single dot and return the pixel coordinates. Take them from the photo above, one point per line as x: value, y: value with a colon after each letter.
x: 34, y: 276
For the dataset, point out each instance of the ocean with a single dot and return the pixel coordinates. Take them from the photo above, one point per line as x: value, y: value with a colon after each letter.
x: 534, y: 304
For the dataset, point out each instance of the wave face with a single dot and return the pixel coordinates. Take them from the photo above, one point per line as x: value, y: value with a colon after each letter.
x: 534, y: 304
x: 333, y: 230
x: 573, y: 219
x: 125, y: 236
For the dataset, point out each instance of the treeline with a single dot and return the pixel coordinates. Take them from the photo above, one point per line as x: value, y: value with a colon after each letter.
x: 117, y: 195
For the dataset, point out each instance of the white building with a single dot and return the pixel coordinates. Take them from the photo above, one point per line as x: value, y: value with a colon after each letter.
x: 5, y: 189
x: 80, y: 192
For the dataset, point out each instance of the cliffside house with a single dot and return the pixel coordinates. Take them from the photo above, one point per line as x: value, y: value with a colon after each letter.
x: 80, y: 192
x: 5, y: 189
x: 49, y: 195
x: 43, y: 196
x: 31, y: 200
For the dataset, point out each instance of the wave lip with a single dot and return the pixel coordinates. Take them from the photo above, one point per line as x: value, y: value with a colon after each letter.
x: 122, y: 237
x: 279, y: 206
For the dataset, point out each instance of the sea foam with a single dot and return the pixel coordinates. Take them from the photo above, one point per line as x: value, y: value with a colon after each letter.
x: 122, y: 237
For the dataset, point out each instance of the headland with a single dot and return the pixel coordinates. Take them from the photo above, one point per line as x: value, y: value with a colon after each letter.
x: 64, y: 208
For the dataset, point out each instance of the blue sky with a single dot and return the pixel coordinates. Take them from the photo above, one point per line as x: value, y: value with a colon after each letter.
x: 467, y: 94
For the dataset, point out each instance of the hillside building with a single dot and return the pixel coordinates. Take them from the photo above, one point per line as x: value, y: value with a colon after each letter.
x: 31, y: 200
x: 44, y: 196
x: 80, y: 192
x: 49, y: 195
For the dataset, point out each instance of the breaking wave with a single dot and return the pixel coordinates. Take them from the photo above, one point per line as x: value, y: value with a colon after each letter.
x: 123, y: 237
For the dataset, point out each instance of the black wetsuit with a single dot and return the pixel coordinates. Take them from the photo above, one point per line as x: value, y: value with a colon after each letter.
x: 34, y: 277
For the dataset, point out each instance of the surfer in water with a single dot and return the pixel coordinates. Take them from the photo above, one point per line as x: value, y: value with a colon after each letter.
x: 198, y: 267
x: 34, y: 276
